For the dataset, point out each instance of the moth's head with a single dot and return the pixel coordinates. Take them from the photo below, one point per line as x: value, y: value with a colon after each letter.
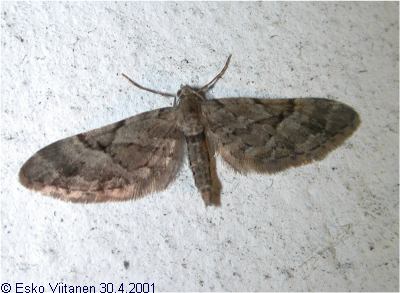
x: 188, y: 91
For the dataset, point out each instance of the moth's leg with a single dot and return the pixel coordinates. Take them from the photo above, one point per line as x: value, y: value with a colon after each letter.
x: 147, y: 89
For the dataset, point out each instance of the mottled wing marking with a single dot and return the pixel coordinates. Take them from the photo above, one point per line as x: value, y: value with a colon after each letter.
x: 274, y: 134
x: 124, y: 160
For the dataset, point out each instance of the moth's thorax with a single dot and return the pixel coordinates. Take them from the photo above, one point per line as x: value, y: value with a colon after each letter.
x: 187, y: 93
x: 189, y: 108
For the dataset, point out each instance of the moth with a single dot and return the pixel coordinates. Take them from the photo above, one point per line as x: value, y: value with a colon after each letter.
x: 142, y: 154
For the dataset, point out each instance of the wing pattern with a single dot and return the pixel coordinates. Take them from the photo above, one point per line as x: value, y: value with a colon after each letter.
x: 124, y: 160
x: 270, y: 135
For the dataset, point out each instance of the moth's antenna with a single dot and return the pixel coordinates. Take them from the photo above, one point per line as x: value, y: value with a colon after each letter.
x: 210, y: 85
x: 147, y: 89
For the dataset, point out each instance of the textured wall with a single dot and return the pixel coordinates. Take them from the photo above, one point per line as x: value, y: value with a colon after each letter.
x: 331, y: 225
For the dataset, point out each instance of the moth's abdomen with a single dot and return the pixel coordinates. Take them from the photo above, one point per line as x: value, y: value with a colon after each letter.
x: 199, y: 159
